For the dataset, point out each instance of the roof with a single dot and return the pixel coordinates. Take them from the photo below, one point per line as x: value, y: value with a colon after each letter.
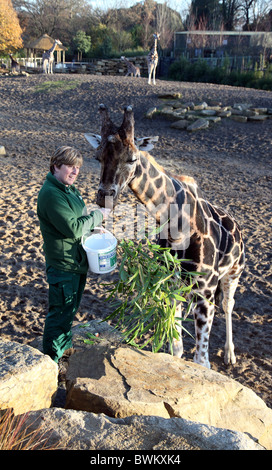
x: 44, y: 43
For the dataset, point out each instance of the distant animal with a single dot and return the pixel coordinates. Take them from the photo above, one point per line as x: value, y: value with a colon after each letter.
x: 15, y: 67
x: 131, y: 68
x: 48, y: 57
x: 152, y: 60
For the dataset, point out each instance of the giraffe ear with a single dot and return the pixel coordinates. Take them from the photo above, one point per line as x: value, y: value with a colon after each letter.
x: 146, y: 143
x: 93, y: 139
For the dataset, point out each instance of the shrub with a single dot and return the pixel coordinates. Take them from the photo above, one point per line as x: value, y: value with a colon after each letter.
x: 200, y: 71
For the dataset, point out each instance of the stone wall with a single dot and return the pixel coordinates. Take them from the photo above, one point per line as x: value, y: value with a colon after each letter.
x: 116, y: 66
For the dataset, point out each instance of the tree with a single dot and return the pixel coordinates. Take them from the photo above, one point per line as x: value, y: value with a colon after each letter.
x: 229, y: 10
x: 57, y: 18
x: 167, y: 22
x: 82, y: 44
x: 10, y: 29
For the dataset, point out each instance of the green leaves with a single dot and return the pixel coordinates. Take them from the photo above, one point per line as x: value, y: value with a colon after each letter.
x: 151, y: 283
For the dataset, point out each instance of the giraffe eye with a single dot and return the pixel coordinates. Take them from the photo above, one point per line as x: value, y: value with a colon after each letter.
x: 130, y: 162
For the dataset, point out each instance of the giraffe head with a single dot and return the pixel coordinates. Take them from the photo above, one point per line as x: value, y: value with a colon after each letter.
x: 57, y: 41
x: 156, y: 35
x: 118, y: 153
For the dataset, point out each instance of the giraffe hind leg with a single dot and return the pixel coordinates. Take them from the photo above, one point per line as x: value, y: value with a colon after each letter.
x: 229, y: 285
x: 203, y: 313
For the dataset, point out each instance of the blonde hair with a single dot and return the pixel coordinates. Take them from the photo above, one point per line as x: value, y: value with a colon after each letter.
x: 65, y: 156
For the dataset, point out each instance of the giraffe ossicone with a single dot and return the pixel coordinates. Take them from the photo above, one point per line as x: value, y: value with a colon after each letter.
x: 214, y: 246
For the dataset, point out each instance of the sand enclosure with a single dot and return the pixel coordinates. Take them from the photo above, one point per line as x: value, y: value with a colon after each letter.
x: 231, y: 162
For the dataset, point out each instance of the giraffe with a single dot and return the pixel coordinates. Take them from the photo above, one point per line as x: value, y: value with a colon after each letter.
x: 15, y: 67
x: 214, y: 246
x: 152, y: 60
x: 48, y: 57
x: 131, y: 68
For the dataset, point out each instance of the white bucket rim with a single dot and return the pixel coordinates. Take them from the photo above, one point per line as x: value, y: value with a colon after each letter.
x: 100, y: 231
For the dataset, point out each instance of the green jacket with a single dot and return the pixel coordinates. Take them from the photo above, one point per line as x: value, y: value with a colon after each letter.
x: 62, y: 224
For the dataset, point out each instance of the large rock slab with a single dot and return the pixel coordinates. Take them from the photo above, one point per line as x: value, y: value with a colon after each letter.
x: 80, y: 430
x: 28, y: 378
x: 123, y: 381
x: 198, y: 125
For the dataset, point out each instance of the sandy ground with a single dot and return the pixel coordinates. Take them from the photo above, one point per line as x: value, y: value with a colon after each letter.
x: 231, y: 162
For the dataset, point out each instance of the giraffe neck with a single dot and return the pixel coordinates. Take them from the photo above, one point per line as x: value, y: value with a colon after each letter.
x: 153, y: 187
x: 155, y: 46
x: 52, y: 50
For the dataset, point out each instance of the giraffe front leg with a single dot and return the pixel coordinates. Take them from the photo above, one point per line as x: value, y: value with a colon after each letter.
x: 176, y: 348
x: 154, y: 73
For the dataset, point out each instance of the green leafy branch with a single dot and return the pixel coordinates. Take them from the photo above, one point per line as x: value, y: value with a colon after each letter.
x: 150, y: 285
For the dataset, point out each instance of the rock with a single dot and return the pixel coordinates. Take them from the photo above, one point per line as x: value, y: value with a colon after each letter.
x: 213, y: 119
x: 224, y: 114
x: 2, y: 150
x: 208, y: 112
x: 170, y: 96
x: 122, y: 381
x: 242, y: 106
x: 214, y: 108
x: 150, y: 112
x: 237, y: 112
x: 181, y: 124
x: 250, y: 112
x: 200, y: 106
x: 28, y: 378
x: 260, y: 110
x: 167, y: 112
x: 239, y: 118
x: 182, y: 110
x: 198, y: 125
x: 80, y: 430
x: 258, y: 117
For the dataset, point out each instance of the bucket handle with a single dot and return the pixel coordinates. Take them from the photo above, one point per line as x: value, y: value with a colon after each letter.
x: 98, y: 228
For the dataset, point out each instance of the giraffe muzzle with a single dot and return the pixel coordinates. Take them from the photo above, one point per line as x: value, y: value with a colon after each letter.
x: 106, y: 198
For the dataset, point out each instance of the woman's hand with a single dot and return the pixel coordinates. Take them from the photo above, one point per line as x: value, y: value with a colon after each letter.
x: 105, y: 212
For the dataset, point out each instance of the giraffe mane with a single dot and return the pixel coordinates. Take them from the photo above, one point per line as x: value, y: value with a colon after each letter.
x: 153, y: 161
x: 186, y: 179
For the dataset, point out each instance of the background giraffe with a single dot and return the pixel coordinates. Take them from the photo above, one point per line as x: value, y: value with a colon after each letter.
x: 152, y: 60
x: 15, y: 67
x: 212, y: 243
x: 131, y: 68
x: 48, y: 57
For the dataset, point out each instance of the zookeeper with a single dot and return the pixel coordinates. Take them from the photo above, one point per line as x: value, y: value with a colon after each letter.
x: 60, y: 208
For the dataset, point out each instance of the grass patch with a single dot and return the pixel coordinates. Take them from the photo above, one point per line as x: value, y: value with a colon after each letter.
x: 56, y: 86
x: 16, y: 435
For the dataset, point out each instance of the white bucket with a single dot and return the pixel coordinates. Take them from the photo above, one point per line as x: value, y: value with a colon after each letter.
x: 100, y: 247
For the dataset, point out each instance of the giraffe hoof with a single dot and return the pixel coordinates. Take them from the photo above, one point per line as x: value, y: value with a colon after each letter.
x: 229, y: 358
x: 176, y: 349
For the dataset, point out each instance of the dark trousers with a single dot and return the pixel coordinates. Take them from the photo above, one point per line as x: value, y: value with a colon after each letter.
x: 65, y: 292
